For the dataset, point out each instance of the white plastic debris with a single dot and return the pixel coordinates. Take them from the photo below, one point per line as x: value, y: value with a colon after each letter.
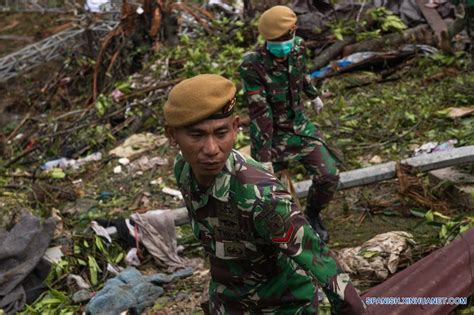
x: 115, y: 270
x: 53, y: 254
x: 61, y: 163
x: 157, y: 181
x: 75, y: 164
x: 132, y: 258
x: 81, y: 283
x: 97, y: 5
x: 173, y: 192
x: 92, y: 157
x: 118, y: 169
x: 235, y: 9
x: 124, y: 161
x: 434, y: 146
x: 101, y: 231
x: 77, y: 182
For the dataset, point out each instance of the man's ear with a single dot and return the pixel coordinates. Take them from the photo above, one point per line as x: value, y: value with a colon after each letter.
x: 236, y: 124
x: 170, y: 134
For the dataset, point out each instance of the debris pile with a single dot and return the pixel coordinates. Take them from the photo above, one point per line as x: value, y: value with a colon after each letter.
x: 83, y: 147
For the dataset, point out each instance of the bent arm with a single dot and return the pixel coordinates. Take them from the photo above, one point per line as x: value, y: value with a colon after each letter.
x: 296, y: 239
x: 260, y: 112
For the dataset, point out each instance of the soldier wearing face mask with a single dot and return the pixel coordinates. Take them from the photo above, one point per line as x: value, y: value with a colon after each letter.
x: 264, y: 257
x: 274, y: 78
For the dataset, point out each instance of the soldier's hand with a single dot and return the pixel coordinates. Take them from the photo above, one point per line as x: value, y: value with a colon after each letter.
x: 268, y: 166
x: 318, y: 104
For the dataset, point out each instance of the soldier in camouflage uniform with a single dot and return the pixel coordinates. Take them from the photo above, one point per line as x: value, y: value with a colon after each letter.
x: 274, y: 80
x: 264, y: 256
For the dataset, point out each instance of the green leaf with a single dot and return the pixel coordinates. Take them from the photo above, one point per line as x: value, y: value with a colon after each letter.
x: 49, y: 301
x: 410, y: 116
x: 443, y: 232
x: 56, y: 173
x: 429, y: 216
x: 93, y: 269
x: 100, y: 244
x: 77, y: 249
x: 102, y: 104
x: 124, y: 87
x: 464, y: 228
x: 368, y: 254
x: 390, y: 213
x: 418, y: 214
x: 119, y: 258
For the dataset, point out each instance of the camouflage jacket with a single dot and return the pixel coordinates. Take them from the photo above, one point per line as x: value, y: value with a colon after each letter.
x: 467, y: 3
x: 273, y: 92
x: 264, y: 256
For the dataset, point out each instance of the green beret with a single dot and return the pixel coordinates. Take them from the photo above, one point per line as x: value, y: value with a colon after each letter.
x: 205, y: 96
x: 276, y: 22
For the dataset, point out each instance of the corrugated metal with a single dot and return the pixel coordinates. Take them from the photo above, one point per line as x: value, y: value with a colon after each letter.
x: 447, y: 272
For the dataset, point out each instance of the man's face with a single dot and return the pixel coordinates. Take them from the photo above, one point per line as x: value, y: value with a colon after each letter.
x: 206, y: 145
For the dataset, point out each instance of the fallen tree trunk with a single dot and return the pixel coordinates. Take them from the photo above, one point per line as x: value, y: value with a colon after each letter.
x: 332, y: 52
x: 421, y: 34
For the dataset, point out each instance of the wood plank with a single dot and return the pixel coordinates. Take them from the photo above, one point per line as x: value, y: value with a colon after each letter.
x: 436, y: 23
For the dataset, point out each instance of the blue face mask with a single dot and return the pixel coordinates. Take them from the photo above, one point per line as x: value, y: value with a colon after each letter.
x: 280, y: 49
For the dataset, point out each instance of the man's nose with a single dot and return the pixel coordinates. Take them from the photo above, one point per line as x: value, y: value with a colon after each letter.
x: 211, y: 147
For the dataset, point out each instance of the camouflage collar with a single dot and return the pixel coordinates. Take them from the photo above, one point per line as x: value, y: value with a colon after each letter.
x: 219, y: 190
x: 268, y: 61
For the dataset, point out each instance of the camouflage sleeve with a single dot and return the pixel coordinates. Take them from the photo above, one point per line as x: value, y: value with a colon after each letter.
x: 279, y: 221
x: 308, y: 88
x: 261, y: 126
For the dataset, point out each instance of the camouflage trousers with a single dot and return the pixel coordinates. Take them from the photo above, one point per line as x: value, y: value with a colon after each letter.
x: 322, y: 165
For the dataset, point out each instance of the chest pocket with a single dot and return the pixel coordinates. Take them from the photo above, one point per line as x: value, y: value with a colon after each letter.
x: 233, y: 234
x: 278, y: 88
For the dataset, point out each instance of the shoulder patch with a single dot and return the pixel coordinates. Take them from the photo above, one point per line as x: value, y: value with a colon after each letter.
x: 250, y: 57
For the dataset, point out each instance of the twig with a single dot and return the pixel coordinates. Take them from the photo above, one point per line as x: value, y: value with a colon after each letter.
x: 360, y: 11
x: 10, y: 136
x: 393, y: 139
x: 362, y: 218
x: 108, y: 39
x: 74, y: 112
x: 22, y: 155
x: 149, y: 89
x: 114, y: 58
x: 190, y: 11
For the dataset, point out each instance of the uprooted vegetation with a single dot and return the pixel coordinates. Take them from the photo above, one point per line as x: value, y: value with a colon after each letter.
x: 371, y: 116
